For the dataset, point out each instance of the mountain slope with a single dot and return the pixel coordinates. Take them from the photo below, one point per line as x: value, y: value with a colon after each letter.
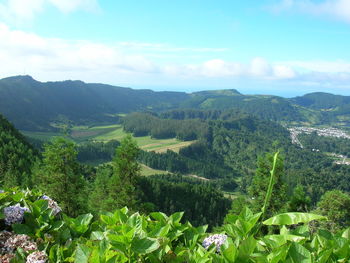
x: 32, y: 105
x: 321, y: 100
x: 16, y: 155
x: 266, y: 107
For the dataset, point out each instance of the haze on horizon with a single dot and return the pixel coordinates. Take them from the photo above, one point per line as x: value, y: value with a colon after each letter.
x: 281, y: 47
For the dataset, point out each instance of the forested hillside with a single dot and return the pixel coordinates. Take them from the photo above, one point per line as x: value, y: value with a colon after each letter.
x: 228, y: 147
x: 33, y: 105
x: 17, y: 156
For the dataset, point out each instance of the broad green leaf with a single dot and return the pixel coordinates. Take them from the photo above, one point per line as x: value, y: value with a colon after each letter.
x: 97, y: 235
x: 84, y: 219
x: 229, y: 251
x: 299, y: 254
x: 246, y: 248
x: 144, y: 245
x: 82, y: 254
x: 159, y: 216
x: 292, y: 218
x: 22, y: 229
x: 278, y: 255
x: 324, y: 256
x: 108, y: 220
x: 119, y: 242
x: 346, y: 233
x: 279, y: 240
x: 175, y: 218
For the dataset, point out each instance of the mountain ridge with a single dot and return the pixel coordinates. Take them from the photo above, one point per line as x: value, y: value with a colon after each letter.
x: 37, y: 106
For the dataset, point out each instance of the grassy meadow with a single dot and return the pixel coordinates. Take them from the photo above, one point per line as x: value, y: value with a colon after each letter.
x: 107, y: 133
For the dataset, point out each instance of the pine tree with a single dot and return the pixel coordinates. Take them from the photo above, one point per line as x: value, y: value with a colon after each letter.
x: 299, y: 202
x: 260, y: 182
x: 126, y: 170
x: 99, y: 195
x: 59, y: 176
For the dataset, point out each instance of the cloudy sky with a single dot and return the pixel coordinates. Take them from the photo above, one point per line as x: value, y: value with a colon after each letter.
x: 283, y: 47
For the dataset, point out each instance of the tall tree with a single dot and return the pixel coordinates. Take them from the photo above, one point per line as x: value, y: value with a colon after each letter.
x: 126, y: 170
x: 59, y: 175
x: 260, y: 182
x: 335, y: 205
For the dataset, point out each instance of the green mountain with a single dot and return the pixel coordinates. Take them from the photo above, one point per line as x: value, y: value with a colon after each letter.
x: 321, y: 100
x: 33, y: 105
x: 264, y: 106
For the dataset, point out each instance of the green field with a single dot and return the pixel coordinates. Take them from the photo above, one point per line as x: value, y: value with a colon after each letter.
x: 147, y: 171
x: 43, y: 136
x: 112, y: 132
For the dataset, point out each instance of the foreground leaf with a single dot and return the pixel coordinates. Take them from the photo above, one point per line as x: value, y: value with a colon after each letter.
x: 292, y: 219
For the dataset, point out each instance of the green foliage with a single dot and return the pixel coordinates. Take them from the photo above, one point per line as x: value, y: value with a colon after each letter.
x: 126, y: 171
x: 92, y: 152
x: 268, y: 176
x: 115, y: 184
x: 336, y: 206
x: 299, y: 201
x: 60, y: 176
x: 201, y: 202
x: 36, y: 104
x: 123, y: 236
x: 141, y: 124
x: 325, y: 144
x: 16, y: 156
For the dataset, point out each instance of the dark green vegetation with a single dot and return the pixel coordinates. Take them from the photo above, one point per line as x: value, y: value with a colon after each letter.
x: 36, y: 106
x: 16, y: 156
x: 227, y: 150
x: 200, y: 201
x: 325, y: 144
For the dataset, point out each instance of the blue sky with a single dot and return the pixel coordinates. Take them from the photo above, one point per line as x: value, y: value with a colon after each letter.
x: 282, y: 47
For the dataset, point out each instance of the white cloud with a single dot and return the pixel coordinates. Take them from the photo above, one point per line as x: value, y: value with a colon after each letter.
x: 283, y: 72
x: 25, y: 10
x: 339, y: 9
x: 337, y: 66
x: 260, y: 67
x: 19, y: 9
x: 21, y: 51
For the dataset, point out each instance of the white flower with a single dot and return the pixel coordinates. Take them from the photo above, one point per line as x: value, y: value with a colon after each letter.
x: 22, y: 241
x: 37, y: 257
x: 14, y: 214
x: 217, y: 239
x: 52, y: 205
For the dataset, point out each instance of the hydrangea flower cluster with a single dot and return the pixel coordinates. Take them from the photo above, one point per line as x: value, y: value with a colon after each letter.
x: 37, y: 257
x: 22, y: 241
x: 52, y: 204
x: 14, y: 214
x: 10, y: 241
x: 217, y: 239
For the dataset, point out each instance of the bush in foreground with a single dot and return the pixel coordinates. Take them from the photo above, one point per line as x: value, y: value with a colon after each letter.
x: 122, y: 236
